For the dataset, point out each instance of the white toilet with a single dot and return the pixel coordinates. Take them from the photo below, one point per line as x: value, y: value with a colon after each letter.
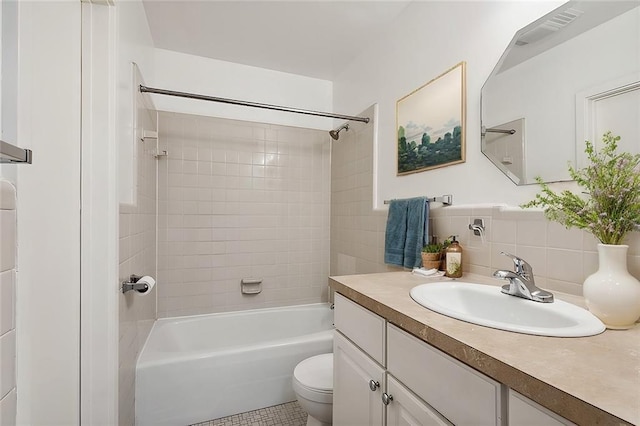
x: 313, y: 385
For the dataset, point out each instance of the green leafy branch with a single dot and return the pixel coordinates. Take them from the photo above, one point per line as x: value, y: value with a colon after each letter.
x: 611, y: 183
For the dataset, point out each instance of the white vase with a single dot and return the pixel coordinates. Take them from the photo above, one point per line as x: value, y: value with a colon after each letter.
x: 612, y: 293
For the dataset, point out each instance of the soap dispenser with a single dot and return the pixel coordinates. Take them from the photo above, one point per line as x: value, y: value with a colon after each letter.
x: 453, y: 259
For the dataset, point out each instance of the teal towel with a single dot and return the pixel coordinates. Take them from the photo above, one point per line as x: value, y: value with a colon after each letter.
x: 396, y: 232
x: 407, y: 231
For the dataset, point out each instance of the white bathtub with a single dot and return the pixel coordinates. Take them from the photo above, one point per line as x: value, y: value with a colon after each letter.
x: 204, y: 367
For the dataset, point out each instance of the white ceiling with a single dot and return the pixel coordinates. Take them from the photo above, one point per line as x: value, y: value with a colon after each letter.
x: 311, y: 38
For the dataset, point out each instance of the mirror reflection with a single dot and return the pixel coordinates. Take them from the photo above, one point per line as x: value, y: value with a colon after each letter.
x: 567, y: 77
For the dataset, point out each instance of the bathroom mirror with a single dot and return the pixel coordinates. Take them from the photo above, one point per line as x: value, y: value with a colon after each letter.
x: 540, y: 103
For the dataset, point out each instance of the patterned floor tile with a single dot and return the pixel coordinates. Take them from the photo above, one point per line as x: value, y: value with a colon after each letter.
x: 289, y: 414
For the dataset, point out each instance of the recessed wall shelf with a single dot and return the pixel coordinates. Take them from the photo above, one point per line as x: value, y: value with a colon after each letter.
x: 13, y: 154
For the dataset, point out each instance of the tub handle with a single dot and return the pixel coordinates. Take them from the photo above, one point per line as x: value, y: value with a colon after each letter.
x: 373, y: 385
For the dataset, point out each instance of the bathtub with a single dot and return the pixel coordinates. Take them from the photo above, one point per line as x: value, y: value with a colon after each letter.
x: 204, y: 367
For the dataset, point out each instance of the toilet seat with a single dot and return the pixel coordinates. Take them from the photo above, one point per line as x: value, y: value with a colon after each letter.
x: 313, y: 378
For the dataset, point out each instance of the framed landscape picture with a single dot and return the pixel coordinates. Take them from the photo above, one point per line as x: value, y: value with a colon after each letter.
x: 431, y: 123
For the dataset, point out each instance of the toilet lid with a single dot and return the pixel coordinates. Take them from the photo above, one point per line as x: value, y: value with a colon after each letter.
x: 316, y: 372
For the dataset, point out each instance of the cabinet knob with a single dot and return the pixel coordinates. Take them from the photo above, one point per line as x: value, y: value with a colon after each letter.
x: 373, y: 385
x: 386, y: 398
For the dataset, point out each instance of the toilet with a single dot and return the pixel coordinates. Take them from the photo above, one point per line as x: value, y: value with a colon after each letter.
x: 313, y: 385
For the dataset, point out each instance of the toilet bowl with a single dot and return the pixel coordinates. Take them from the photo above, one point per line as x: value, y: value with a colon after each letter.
x: 313, y: 385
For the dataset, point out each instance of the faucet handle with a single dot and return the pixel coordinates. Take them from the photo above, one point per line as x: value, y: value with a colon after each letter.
x: 521, y: 266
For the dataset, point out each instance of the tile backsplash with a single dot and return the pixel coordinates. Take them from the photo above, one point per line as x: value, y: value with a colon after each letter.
x: 561, y: 258
x: 8, y: 218
x: 240, y: 200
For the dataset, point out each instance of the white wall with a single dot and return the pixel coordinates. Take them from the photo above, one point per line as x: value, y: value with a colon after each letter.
x: 136, y: 166
x: 194, y: 74
x: 428, y: 39
x: 134, y: 45
x: 48, y: 268
x: 9, y: 82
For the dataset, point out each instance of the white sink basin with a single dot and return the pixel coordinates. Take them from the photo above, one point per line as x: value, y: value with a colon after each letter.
x: 487, y: 305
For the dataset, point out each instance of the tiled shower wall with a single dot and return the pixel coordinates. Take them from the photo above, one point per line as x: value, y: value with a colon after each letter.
x: 241, y: 200
x: 357, y: 231
x: 137, y: 256
x: 7, y: 303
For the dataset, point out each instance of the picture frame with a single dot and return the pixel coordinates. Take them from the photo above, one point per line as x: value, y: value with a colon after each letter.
x: 431, y: 123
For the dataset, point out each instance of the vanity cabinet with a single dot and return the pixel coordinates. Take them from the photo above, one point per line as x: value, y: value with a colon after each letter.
x: 357, y: 389
x: 358, y: 365
x: 476, y: 355
x: 385, y: 376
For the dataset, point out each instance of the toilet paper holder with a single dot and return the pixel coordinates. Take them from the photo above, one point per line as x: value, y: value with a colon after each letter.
x: 133, y: 284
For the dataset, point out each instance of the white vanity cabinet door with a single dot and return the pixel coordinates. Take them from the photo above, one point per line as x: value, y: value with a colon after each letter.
x: 525, y: 412
x: 458, y: 392
x: 354, y: 401
x: 361, y: 326
x: 405, y: 409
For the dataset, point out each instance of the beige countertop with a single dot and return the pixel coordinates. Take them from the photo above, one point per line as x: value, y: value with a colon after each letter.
x: 588, y: 380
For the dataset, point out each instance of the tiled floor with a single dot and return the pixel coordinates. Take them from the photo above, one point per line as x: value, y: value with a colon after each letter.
x: 289, y: 414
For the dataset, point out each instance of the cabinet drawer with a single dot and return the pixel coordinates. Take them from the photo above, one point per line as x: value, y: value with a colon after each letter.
x: 525, y: 412
x: 361, y: 326
x: 461, y: 394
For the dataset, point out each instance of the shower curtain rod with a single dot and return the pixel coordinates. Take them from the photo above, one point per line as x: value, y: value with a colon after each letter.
x: 145, y: 89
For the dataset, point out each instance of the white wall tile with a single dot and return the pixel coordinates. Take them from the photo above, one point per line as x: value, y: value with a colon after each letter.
x: 531, y: 233
x: 504, y: 231
x: 7, y: 239
x: 7, y: 301
x: 242, y: 217
x: 565, y: 265
x: 561, y: 237
x: 7, y: 362
x: 7, y: 195
x: 8, y: 406
x: 7, y: 304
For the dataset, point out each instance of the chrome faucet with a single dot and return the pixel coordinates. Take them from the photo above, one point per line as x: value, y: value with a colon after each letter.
x: 521, y: 281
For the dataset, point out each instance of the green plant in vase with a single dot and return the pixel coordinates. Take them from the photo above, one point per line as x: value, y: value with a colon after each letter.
x: 608, y: 208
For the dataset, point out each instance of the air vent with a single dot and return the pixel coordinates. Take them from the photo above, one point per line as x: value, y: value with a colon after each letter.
x: 550, y: 26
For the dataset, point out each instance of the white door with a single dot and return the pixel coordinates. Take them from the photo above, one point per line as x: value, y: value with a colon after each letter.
x: 620, y: 114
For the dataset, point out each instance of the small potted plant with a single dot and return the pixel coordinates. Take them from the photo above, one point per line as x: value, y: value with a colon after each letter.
x: 431, y: 256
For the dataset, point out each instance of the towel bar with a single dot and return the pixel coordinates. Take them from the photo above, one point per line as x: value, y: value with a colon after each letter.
x: 13, y: 154
x: 447, y: 200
